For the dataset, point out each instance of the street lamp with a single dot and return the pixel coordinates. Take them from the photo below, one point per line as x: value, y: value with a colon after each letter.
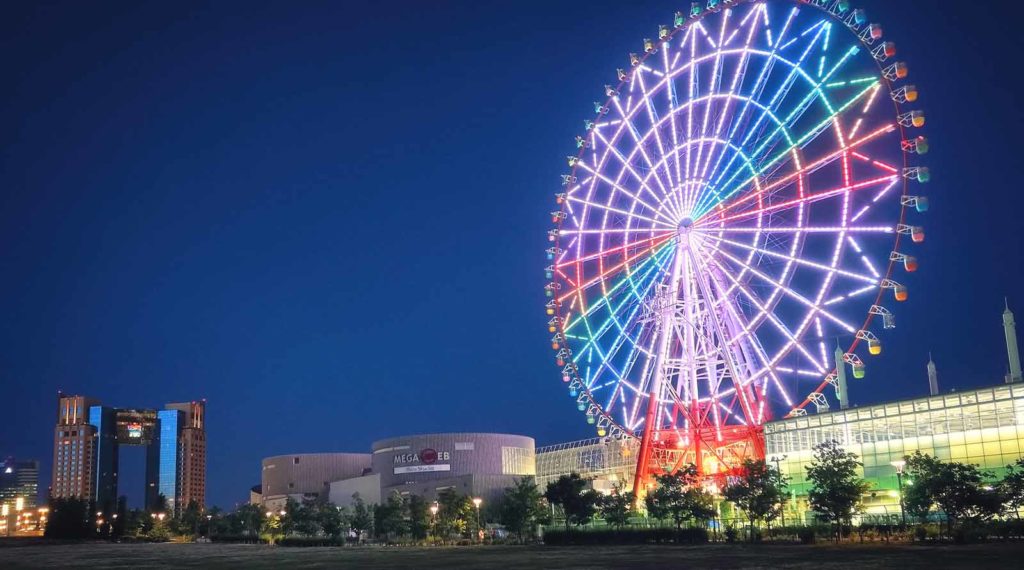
x: 899, y: 465
x: 479, y: 522
x: 433, y: 518
x: 778, y: 470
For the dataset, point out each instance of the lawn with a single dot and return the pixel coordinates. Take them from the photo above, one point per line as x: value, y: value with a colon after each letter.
x: 819, y: 557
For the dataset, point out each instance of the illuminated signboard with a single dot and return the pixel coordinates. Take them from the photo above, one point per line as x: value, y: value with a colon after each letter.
x: 426, y: 461
x: 135, y: 427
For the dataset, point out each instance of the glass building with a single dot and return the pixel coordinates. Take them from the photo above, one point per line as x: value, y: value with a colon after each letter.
x: 983, y: 426
x: 608, y: 462
x: 167, y: 457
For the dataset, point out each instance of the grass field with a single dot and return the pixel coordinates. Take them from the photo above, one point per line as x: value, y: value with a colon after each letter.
x: 820, y: 557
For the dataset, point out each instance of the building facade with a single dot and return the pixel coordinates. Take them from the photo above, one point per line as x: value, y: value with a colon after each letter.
x: 984, y: 427
x: 74, y: 448
x: 88, y: 437
x: 476, y: 464
x: 307, y: 476
x: 607, y: 462
x: 19, y: 483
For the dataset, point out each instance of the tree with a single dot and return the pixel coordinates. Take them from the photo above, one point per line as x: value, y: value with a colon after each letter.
x: 246, y: 520
x: 389, y: 518
x: 961, y: 490
x: 1012, y: 487
x: 303, y: 518
x: 758, y: 492
x: 160, y: 505
x: 836, y: 487
x: 271, y: 528
x: 419, y: 517
x: 188, y: 520
x: 617, y: 507
x: 333, y: 520
x: 362, y: 517
x: 119, y: 523
x: 679, y: 497
x: 522, y: 508
x: 456, y: 514
x: 69, y: 518
x: 577, y: 503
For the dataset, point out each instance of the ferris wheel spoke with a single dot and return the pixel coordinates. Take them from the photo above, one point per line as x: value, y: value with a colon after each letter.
x: 627, y: 123
x: 756, y: 90
x: 797, y: 230
x: 810, y: 134
x: 657, y: 212
x: 747, y: 197
x: 718, y: 216
x: 652, y: 116
x: 814, y: 308
x: 609, y: 272
x: 782, y: 127
x: 673, y: 208
x: 673, y: 103
x: 799, y: 261
x: 593, y: 339
x: 651, y: 264
x: 714, y: 88
x: 647, y: 243
x: 737, y: 78
x: 792, y: 337
x: 660, y: 223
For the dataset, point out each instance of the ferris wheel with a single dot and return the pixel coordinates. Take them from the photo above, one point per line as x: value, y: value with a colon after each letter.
x: 741, y: 207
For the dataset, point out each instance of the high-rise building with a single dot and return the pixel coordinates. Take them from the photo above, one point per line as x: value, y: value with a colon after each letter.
x: 74, y: 448
x: 192, y: 453
x: 88, y: 437
x: 19, y: 480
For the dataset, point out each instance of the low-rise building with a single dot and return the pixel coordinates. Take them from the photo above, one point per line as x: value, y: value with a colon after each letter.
x: 475, y: 464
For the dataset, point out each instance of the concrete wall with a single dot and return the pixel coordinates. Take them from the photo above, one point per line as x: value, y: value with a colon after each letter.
x: 368, y: 487
x: 309, y: 473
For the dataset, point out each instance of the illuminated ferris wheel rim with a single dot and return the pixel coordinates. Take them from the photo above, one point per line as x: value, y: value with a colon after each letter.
x: 670, y: 216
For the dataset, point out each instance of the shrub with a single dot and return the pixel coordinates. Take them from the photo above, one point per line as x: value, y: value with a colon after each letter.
x: 807, y: 535
x: 237, y: 539
x: 657, y: 535
x: 730, y: 534
x: 311, y: 541
x: 920, y: 533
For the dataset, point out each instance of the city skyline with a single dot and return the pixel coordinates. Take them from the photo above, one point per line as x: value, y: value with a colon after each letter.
x: 264, y: 212
x: 88, y: 440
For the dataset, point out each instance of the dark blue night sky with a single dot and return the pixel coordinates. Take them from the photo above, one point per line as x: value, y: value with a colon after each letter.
x: 328, y: 218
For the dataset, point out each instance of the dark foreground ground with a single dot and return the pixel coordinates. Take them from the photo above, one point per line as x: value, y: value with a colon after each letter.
x: 820, y: 557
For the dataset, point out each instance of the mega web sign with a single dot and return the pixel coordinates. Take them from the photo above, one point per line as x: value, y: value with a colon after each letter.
x: 426, y: 461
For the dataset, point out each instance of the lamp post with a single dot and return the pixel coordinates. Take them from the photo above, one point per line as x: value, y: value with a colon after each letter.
x: 433, y: 519
x: 778, y: 470
x: 899, y: 465
x: 479, y: 522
